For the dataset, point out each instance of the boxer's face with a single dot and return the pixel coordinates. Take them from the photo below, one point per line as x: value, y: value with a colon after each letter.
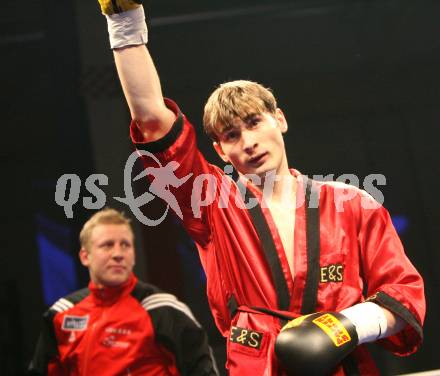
x: 110, y: 254
x: 255, y: 145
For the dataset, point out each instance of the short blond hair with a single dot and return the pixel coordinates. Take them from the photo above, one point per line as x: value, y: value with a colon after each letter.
x: 107, y: 216
x: 232, y: 100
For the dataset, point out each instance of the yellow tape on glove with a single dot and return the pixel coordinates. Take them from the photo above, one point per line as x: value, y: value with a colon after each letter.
x: 110, y: 7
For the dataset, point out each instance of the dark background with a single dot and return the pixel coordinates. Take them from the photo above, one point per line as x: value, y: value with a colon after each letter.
x: 358, y: 82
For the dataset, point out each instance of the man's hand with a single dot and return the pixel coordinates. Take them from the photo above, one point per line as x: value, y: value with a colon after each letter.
x: 110, y: 7
x: 315, y: 344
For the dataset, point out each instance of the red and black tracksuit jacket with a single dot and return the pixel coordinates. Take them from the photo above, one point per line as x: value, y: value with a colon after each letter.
x: 133, y: 329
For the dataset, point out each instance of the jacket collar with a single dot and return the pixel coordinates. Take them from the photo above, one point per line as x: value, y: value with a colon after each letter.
x: 107, y: 295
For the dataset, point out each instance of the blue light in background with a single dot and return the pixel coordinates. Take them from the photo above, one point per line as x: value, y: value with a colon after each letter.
x: 401, y: 223
x: 57, y: 265
x: 191, y: 264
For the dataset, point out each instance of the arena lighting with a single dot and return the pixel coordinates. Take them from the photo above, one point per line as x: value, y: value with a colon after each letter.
x: 57, y: 266
x: 401, y: 223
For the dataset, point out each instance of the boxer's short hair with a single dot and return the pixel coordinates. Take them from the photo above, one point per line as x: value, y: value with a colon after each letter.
x: 107, y: 216
x: 232, y: 100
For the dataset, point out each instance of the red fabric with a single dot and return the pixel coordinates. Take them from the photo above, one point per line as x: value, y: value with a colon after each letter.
x: 118, y: 331
x: 362, y: 240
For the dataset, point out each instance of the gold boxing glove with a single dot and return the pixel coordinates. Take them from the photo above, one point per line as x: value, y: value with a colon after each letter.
x: 110, y: 7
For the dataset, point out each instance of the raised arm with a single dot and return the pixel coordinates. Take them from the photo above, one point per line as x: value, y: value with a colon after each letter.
x: 136, y: 70
x: 142, y: 90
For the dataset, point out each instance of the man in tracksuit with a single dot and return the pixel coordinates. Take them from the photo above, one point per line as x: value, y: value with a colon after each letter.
x: 119, y: 325
x: 274, y: 244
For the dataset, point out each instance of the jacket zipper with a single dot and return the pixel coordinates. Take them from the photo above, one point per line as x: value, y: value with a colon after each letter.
x: 90, y: 337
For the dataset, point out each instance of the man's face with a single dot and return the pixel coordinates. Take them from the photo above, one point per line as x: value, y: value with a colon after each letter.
x: 255, y: 145
x: 109, y: 255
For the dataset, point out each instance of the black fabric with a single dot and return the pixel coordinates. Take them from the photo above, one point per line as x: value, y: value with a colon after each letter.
x: 180, y: 335
x: 270, y: 251
x: 47, y: 347
x: 166, y: 141
x: 271, y: 312
x: 141, y: 290
x: 77, y: 296
x: 313, y: 251
x: 232, y: 306
x: 398, y: 308
x: 350, y: 366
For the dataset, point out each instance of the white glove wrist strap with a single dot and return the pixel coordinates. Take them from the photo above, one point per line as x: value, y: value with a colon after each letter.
x: 127, y: 28
x: 369, y: 319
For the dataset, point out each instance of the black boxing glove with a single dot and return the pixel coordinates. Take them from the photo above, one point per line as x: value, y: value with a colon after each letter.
x: 315, y: 344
